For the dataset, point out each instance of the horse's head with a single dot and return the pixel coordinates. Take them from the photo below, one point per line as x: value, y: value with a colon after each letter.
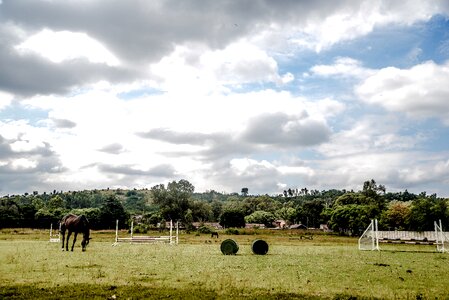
x: 85, y: 240
x: 86, y: 232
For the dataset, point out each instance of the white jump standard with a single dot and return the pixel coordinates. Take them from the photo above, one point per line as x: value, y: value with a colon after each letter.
x: 55, y: 238
x: 167, y: 239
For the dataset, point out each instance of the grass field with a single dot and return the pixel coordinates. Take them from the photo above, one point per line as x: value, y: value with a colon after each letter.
x: 326, y: 267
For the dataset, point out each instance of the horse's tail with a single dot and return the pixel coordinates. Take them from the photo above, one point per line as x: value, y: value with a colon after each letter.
x: 63, y: 221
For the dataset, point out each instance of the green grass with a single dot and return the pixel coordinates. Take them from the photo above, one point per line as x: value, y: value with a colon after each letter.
x: 325, y: 267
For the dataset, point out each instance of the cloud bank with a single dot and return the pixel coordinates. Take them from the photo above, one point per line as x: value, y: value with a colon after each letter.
x: 255, y: 93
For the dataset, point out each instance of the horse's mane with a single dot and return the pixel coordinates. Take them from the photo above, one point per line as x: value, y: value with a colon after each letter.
x: 86, y: 226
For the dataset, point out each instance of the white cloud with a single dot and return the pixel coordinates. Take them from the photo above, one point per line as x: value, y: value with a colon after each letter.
x: 421, y: 91
x: 351, y: 21
x: 58, y: 46
x: 5, y: 99
x: 23, y: 163
x: 204, y: 71
x: 181, y: 101
x: 343, y: 67
x: 96, y: 127
x: 370, y: 134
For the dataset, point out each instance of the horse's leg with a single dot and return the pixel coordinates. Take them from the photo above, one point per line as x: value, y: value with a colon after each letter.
x: 67, y: 241
x: 74, y: 239
x: 63, y: 238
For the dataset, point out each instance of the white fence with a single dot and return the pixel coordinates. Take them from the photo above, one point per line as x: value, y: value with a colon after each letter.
x: 169, y: 239
x: 371, y: 238
x: 429, y: 237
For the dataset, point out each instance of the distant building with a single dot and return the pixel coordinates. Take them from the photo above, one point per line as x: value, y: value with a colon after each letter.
x: 298, y: 226
x: 280, y: 224
x: 325, y: 228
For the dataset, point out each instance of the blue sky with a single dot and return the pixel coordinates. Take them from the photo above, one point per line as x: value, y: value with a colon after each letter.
x: 267, y: 95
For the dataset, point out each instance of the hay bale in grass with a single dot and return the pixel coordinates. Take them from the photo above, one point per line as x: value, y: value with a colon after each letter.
x: 229, y: 247
x: 259, y: 247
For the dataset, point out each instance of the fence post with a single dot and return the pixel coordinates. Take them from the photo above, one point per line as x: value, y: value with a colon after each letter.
x: 171, y: 232
x: 116, y: 231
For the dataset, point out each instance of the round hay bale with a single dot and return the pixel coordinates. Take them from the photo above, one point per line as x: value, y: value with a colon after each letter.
x: 259, y: 247
x: 229, y: 247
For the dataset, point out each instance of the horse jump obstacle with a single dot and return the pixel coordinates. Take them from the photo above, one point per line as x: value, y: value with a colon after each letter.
x: 170, y: 239
x: 53, y: 237
x: 372, y: 237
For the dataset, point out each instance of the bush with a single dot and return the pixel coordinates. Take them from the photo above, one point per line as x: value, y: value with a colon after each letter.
x: 232, y: 231
x: 205, y: 229
x: 141, y: 228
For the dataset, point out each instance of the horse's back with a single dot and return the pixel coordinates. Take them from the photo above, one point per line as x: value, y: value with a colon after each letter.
x: 73, y: 222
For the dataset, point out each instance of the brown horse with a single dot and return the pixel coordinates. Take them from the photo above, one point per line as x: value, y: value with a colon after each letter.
x: 75, y: 224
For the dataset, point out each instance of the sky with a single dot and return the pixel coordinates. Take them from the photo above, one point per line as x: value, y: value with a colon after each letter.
x: 267, y: 95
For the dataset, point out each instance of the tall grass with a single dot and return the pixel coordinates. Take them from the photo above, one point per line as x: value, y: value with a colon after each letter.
x: 325, y: 267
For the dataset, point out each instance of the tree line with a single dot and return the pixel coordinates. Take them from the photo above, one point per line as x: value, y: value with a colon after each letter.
x: 345, y: 212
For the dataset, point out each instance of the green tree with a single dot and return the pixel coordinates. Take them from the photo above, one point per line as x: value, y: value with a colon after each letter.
x: 9, y: 213
x: 111, y: 211
x: 135, y: 202
x: 261, y: 217
x: 350, y: 198
x: 154, y: 219
x: 265, y: 203
x: 372, y: 189
x: 287, y: 213
x: 44, y: 217
x: 173, y: 200
x: 232, y: 218
x: 396, y: 216
x: 310, y: 213
x: 216, y: 207
x: 422, y: 214
x: 201, y: 211
x: 56, y: 202
x: 351, y: 219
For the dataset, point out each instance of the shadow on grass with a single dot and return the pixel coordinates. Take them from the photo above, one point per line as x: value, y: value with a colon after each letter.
x: 86, y: 291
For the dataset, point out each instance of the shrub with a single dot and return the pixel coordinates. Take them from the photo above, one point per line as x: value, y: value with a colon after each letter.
x: 141, y: 228
x: 232, y: 231
x: 205, y: 229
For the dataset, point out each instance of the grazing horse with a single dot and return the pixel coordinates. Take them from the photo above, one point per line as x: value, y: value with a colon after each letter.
x: 214, y: 234
x: 75, y: 224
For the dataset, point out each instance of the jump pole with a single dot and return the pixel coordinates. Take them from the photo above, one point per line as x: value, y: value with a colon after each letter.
x: 177, y: 232
x: 171, y: 231
x: 116, y: 231
x: 132, y: 229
